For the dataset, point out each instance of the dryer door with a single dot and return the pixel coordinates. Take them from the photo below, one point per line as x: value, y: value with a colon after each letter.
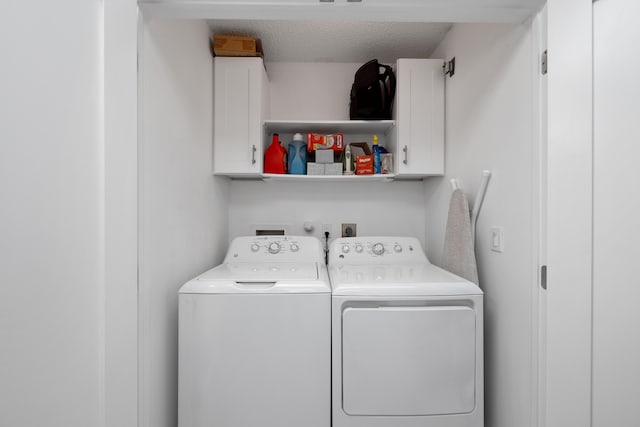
x: 404, y: 360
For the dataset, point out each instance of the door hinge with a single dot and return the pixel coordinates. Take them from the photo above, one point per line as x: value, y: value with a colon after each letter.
x: 449, y: 67
x: 543, y: 62
x: 543, y: 277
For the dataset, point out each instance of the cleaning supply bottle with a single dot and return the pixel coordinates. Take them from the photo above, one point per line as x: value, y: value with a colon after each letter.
x: 275, y: 157
x: 297, y: 155
x: 347, y: 161
x: 375, y: 148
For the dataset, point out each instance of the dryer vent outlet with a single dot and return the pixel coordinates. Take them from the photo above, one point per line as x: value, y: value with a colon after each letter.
x: 348, y: 230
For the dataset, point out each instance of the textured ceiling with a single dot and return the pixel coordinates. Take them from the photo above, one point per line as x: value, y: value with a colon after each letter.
x: 326, y: 41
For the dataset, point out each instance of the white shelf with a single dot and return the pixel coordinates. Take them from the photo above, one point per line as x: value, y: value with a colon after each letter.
x: 328, y: 178
x: 329, y: 126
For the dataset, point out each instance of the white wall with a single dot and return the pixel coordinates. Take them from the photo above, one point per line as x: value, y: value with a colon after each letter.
x: 303, y: 91
x: 489, y: 125
x: 374, y: 11
x: 616, y: 287
x: 183, y: 212
x: 378, y: 208
x: 51, y: 198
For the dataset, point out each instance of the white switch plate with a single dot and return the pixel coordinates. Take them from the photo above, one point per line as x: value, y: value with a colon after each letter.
x: 497, y: 239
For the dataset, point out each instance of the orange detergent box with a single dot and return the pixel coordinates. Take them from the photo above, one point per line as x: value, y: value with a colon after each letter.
x: 317, y: 141
x: 364, y: 165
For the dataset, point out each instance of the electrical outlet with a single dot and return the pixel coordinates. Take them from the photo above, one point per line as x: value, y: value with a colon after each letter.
x: 349, y: 230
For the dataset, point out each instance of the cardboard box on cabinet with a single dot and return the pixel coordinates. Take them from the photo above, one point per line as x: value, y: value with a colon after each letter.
x: 225, y: 45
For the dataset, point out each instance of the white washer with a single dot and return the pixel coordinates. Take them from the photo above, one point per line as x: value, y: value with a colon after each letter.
x: 255, y: 338
x: 407, y: 338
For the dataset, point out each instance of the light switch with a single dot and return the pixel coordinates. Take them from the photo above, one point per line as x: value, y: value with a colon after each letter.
x: 497, y: 239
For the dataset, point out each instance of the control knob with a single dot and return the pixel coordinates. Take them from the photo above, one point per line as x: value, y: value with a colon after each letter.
x: 358, y: 248
x: 254, y: 247
x: 294, y: 247
x: 274, y: 247
x: 397, y: 248
x: 345, y: 249
x: 378, y: 249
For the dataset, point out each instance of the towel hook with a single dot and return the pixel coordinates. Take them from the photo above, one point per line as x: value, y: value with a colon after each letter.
x: 477, y: 204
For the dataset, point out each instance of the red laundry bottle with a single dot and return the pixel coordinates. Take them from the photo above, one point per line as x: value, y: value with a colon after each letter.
x: 275, y: 157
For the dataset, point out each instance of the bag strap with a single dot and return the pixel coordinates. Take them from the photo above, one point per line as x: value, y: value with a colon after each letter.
x: 390, y: 91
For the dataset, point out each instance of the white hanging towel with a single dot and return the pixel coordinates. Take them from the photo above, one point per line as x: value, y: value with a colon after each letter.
x: 458, y: 254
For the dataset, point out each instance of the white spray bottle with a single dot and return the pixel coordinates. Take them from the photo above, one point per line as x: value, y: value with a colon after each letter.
x: 347, y: 161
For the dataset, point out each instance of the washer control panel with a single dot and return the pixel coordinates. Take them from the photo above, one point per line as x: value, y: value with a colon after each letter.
x: 275, y: 248
x: 373, y: 250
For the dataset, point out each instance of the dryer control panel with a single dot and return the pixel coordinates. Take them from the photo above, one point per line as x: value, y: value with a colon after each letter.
x: 375, y: 250
x: 275, y: 248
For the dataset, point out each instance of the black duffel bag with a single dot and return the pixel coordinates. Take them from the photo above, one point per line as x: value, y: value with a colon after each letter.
x: 372, y: 93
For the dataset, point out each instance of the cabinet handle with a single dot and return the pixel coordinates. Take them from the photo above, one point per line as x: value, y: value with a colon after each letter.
x: 253, y: 154
x: 406, y: 159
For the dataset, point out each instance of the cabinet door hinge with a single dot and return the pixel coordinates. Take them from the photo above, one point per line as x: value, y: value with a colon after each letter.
x: 543, y: 277
x: 449, y: 67
x: 543, y: 62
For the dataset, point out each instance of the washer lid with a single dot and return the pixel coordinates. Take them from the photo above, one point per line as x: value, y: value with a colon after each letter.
x: 398, y: 280
x: 239, y: 277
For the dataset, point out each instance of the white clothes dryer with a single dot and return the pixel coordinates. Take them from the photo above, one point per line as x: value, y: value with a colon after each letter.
x: 255, y: 338
x: 407, y: 340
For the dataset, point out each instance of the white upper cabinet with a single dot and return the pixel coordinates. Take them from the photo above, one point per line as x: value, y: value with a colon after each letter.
x: 241, y: 104
x: 419, y: 113
x: 243, y: 126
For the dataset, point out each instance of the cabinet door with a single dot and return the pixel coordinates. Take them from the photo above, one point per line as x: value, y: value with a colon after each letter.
x: 240, y: 104
x: 420, y: 117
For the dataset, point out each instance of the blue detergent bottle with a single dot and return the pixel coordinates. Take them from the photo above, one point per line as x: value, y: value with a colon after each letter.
x: 376, y: 155
x: 297, y: 155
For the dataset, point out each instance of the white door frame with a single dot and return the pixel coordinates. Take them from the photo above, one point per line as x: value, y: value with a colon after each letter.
x: 569, y: 214
x: 120, y: 351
